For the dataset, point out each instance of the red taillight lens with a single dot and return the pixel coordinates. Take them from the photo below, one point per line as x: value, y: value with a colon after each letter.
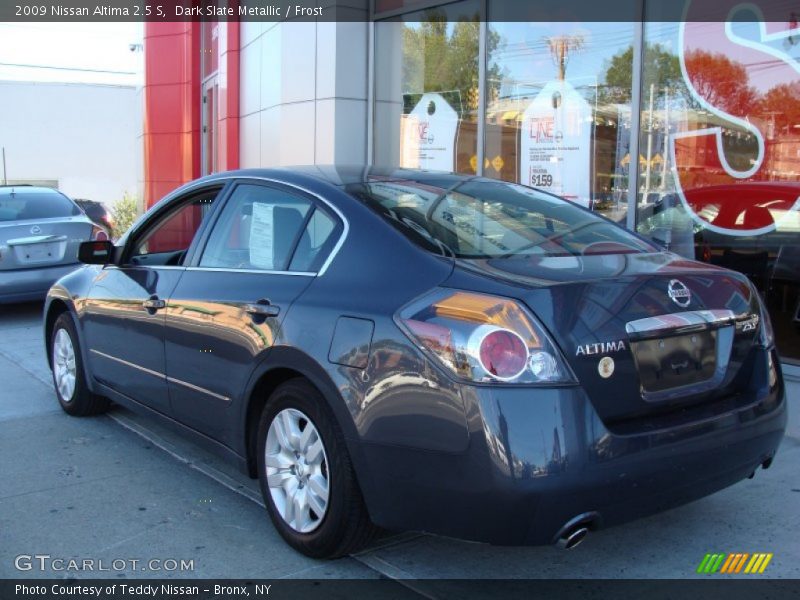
x: 483, y: 338
x: 503, y: 354
x: 99, y: 234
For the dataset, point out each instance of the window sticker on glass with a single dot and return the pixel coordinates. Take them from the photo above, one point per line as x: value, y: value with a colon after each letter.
x: 262, y: 235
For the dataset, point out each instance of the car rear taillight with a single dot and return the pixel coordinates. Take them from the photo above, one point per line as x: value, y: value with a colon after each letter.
x: 503, y: 354
x: 483, y: 338
x: 99, y: 234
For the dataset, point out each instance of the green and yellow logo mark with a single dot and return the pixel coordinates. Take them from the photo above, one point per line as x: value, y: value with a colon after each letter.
x: 735, y: 562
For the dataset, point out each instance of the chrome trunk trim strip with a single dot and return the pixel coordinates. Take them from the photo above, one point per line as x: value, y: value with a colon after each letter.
x: 679, y: 323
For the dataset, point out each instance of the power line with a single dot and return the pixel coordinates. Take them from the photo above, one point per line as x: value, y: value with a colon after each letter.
x: 54, y: 68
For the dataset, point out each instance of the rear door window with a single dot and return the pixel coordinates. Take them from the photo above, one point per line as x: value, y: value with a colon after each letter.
x: 264, y: 228
x: 258, y: 229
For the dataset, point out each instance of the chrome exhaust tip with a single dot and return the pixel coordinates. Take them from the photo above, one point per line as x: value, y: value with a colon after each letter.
x: 574, y: 531
x: 571, y: 538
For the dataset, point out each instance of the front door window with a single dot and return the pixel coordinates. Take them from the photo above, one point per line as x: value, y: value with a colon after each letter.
x: 167, y: 240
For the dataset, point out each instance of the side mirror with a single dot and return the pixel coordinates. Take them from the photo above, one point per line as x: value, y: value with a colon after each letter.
x: 99, y: 252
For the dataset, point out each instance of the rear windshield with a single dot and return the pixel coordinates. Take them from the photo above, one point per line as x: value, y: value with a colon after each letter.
x: 19, y: 204
x: 486, y: 219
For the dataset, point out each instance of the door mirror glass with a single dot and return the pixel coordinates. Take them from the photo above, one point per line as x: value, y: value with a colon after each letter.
x: 96, y: 252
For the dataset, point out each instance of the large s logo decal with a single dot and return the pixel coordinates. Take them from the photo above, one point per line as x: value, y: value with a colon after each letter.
x: 748, y: 89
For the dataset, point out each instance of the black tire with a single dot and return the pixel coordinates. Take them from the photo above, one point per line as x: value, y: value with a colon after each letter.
x: 82, y: 402
x: 345, y: 527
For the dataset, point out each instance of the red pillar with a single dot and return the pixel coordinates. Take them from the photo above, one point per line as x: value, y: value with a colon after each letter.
x: 172, y: 104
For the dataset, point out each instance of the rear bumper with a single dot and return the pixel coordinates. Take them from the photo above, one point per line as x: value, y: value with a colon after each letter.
x: 30, y: 284
x: 539, y: 458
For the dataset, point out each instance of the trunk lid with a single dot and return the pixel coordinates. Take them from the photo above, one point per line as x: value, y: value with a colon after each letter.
x: 644, y: 333
x: 36, y: 243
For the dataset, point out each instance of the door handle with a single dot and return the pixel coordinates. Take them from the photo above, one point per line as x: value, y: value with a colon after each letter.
x: 263, y: 308
x: 153, y: 303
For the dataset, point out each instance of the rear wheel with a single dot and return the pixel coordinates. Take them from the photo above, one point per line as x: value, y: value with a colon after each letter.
x: 73, y: 394
x: 306, y: 476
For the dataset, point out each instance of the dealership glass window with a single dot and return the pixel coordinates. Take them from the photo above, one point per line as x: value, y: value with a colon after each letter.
x: 561, y: 101
x: 426, y: 88
x: 558, y: 109
x: 704, y: 91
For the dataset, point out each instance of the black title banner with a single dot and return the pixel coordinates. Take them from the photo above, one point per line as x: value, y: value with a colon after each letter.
x: 390, y: 589
x: 781, y: 11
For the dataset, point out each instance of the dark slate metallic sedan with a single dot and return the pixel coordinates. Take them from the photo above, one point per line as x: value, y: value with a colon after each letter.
x: 415, y: 350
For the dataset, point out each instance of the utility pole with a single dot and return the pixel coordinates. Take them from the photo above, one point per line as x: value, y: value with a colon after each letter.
x: 5, y: 180
x: 560, y: 49
x: 649, y: 146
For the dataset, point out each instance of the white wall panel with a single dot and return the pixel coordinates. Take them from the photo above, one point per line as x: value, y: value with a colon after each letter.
x: 250, y: 141
x: 271, y: 67
x: 249, y: 31
x: 312, y: 82
x: 297, y: 126
x: 86, y: 136
x: 298, y: 61
x: 250, y: 78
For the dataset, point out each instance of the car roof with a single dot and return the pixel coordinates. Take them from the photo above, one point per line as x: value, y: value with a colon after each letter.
x: 344, y: 175
x: 27, y: 189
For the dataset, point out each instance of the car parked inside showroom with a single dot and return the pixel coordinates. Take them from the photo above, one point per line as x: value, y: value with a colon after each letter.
x: 40, y: 231
x: 402, y: 349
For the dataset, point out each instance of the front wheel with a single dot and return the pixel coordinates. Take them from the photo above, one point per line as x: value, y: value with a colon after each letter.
x: 306, y: 476
x: 73, y: 394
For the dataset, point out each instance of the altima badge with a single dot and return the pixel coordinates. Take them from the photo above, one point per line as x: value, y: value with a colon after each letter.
x: 606, y: 367
x: 679, y: 293
x: 600, y: 348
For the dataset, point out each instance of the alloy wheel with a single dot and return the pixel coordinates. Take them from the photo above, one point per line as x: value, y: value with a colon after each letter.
x: 297, y: 470
x: 64, y: 364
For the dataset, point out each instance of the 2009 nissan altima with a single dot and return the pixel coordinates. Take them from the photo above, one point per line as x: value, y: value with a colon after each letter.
x: 415, y: 350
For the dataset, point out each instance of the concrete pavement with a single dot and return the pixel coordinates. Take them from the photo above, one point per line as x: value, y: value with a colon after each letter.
x: 120, y: 487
